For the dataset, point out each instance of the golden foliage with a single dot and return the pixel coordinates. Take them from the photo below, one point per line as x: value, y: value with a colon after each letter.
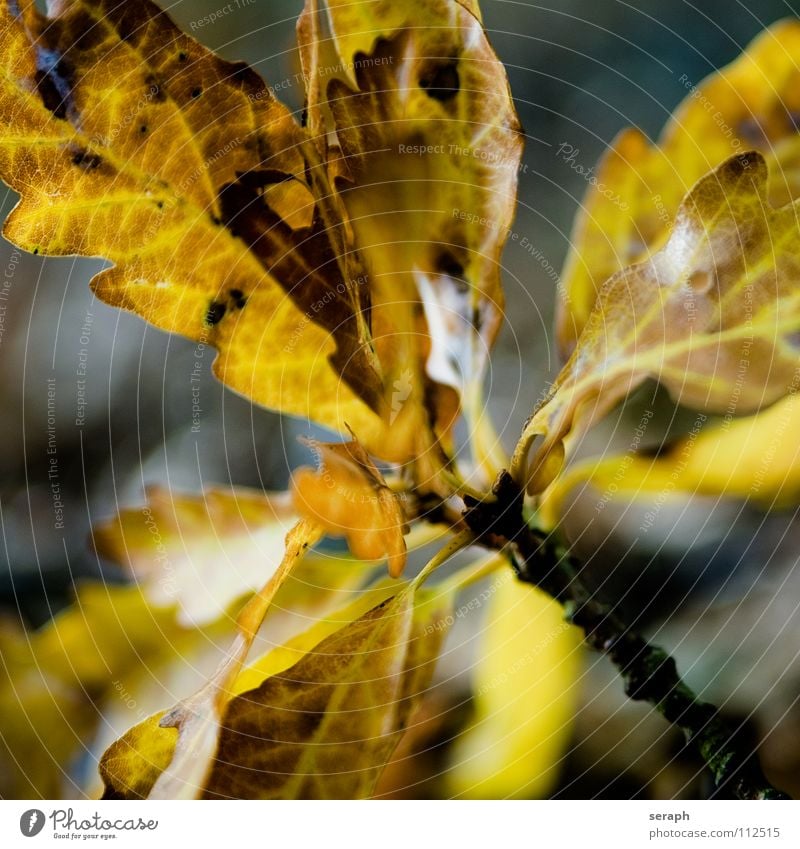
x: 525, y: 691
x: 349, y: 497
x: 720, y: 293
x: 750, y: 105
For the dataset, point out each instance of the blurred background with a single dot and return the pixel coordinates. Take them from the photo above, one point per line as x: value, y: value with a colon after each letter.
x: 580, y: 71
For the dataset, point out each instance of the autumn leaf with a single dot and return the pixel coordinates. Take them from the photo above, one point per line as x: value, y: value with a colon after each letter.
x: 426, y: 161
x: 61, y: 683
x: 203, y: 551
x: 349, y: 497
x: 198, y: 717
x: 753, y: 458
x: 326, y: 725
x: 711, y: 316
x: 637, y: 187
x: 525, y: 689
x: 129, y: 140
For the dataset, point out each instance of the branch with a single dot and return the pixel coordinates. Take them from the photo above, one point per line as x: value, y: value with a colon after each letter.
x: 649, y: 673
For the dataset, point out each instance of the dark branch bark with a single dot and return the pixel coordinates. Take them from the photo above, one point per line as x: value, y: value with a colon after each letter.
x: 648, y: 672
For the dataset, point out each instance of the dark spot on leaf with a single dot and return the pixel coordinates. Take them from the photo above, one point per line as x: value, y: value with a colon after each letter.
x: 216, y: 221
x: 160, y: 204
x: 215, y: 313
x: 441, y: 82
x: 86, y: 160
x: 196, y: 92
x: 53, y: 84
x: 35, y: 251
x: 238, y: 297
x: 182, y: 56
x: 154, y: 90
x: 449, y: 265
x: 143, y: 128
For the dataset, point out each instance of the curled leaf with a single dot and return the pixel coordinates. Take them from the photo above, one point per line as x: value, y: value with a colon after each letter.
x: 637, y: 187
x: 321, y: 715
x: 198, y: 717
x: 349, y: 497
x: 712, y: 316
x: 203, y: 552
x: 753, y: 458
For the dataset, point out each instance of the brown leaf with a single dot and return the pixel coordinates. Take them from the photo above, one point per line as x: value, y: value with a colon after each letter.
x: 638, y: 187
x: 712, y: 316
x: 326, y: 728
x: 349, y: 497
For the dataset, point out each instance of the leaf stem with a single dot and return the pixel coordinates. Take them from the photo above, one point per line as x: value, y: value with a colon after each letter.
x: 649, y: 673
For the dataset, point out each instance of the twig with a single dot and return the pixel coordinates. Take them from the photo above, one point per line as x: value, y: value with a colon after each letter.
x: 649, y: 673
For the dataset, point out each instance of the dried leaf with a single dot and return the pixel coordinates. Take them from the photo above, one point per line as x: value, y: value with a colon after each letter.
x: 133, y: 763
x: 326, y: 728
x: 754, y: 458
x: 525, y: 691
x: 423, y: 122
x: 349, y: 497
x: 203, y: 552
x: 197, y: 718
x: 711, y: 316
x: 638, y: 187
x: 127, y: 139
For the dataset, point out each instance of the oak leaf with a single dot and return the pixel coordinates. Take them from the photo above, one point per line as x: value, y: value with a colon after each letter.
x: 129, y: 140
x: 638, y: 187
x: 711, y: 316
x: 349, y: 497
x: 343, y: 660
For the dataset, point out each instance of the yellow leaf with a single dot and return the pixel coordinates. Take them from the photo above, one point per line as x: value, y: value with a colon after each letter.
x: 349, y: 497
x: 638, y: 187
x: 754, y: 458
x: 54, y: 680
x: 161, y: 157
x: 198, y: 717
x: 202, y: 552
x: 711, y: 316
x: 525, y: 691
x: 426, y: 167
x: 325, y: 728
x: 133, y: 763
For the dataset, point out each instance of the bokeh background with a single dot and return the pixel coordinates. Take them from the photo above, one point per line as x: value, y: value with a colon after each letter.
x: 716, y: 583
